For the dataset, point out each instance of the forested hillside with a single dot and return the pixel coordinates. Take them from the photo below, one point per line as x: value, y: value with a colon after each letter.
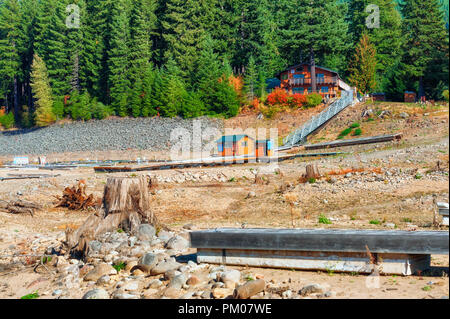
x: 88, y: 59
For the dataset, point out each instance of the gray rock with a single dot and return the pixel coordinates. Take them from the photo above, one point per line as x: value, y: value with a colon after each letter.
x: 122, y: 295
x: 178, y: 281
x: 310, y: 289
x: 230, y: 278
x: 104, y: 280
x: 98, y: 271
x: 147, y: 262
x: 164, y: 236
x: 286, y: 294
x: 169, y: 275
x: 96, y: 294
x: 206, y: 295
x: 146, y: 232
x: 130, y: 286
x: 155, y: 284
x: 165, y: 266
x: 177, y: 243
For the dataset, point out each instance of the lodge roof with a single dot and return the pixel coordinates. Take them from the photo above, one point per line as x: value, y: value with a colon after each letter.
x: 232, y: 138
x: 301, y: 64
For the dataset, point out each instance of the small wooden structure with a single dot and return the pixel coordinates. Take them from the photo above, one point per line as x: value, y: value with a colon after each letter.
x: 391, y: 252
x: 443, y: 211
x: 236, y: 145
x: 264, y: 148
x: 378, y: 96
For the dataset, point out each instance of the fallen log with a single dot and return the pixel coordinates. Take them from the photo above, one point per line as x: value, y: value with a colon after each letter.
x: 126, y: 203
x: 249, y: 289
x: 19, y: 207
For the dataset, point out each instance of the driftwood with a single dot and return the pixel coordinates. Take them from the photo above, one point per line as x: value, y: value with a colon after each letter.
x: 249, y: 289
x: 19, y: 207
x: 75, y: 198
x: 126, y: 204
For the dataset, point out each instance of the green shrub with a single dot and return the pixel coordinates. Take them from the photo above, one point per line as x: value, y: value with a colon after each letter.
x: 445, y: 95
x: 101, y: 111
x: 26, y: 118
x: 324, y: 220
x: 58, y: 108
x: 357, y: 132
x: 119, y: 267
x: 313, y: 99
x: 355, y: 125
x: 7, y: 120
x: 312, y: 180
x: 344, y: 133
x: 80, y: 106
x: 375, y: 222
x: 34, y: 295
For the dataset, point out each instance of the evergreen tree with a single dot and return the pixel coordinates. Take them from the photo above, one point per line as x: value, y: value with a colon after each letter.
x: 426, y: 38
x: 42, y: 92
x: 117, y: 54
x: 250, y: 79
x: 148, y: 109
x: 9, y: 51
x: 363, y: 66
x: 387, y: 37
x: 52, y: 44
x: 183, y: 32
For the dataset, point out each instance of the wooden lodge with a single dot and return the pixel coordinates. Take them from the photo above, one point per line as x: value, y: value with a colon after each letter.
x: 297, y: 79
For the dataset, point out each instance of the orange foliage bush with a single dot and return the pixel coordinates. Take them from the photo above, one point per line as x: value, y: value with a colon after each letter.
x: 2, y: 110
x: 255, y: 104
x: 237, y: 83
x: 278, y: 96
x: 298, y: 100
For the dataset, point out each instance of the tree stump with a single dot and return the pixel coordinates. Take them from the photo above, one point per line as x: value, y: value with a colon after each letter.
x: 312, y: 171
x: 126, y: 204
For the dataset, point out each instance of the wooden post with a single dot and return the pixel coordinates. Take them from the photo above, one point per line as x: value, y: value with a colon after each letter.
x: 126, y: 205
x: 312, y: 171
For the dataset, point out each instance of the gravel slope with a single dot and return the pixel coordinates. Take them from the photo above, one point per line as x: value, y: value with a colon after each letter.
x: 113, y: 134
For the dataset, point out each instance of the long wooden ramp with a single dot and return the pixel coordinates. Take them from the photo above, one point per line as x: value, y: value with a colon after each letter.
x: 392, y: 252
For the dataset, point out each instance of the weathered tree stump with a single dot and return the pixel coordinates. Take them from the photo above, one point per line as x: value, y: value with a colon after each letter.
x: 126, y: 204
x: 312, y: 171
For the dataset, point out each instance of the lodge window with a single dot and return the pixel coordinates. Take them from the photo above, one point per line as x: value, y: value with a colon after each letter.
x: 324, y: 89
x: 309, y: 90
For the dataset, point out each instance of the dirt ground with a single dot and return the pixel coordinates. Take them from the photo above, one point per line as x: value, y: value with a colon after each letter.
x: 383, y: 186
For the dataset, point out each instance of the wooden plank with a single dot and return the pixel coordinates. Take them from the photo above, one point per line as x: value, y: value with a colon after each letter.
x: 417, y: 242
x: 401, y: 264
x: 356, y: 141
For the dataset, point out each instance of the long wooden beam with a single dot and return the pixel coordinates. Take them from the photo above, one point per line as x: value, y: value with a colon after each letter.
x: 320, y: 240
x: 355, y: 141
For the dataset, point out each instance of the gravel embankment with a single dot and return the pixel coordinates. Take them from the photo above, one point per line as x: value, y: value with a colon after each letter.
x: 151, y: 134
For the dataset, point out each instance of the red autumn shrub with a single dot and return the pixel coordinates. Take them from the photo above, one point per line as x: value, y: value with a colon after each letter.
x: 278, y: 96
x: 298, y: 100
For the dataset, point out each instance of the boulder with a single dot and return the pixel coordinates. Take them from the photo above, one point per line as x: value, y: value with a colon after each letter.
x: 96, y: 294
x: 164, y: 266
x: 99, y: 271
x: 146, y: 232
x: 177, y: 243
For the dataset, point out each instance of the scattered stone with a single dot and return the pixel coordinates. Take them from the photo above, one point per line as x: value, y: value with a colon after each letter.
x: 57, y: 292
x: 177, y: 281
x: 164, y: 266
x: 169, y: 275
x: 96, y: 294
x: 100, y: 270
x: 189, y: 226
x: 287, y: 294
x: 193, y: 281
x: 138, y: 272
x: 310, y: 289
x: 121, y: 295
x: 155, y: 283
x: 146, y: 232
x: 230, y: 278
x: 130, y: 265
x: 104, y: 280
x: 206, y: 295
x: 177, y: 243
x: 147, y: 262
x: 390, y: 225
x: 222, y: 293
x: 130, y: 286
x: 172, y: 293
